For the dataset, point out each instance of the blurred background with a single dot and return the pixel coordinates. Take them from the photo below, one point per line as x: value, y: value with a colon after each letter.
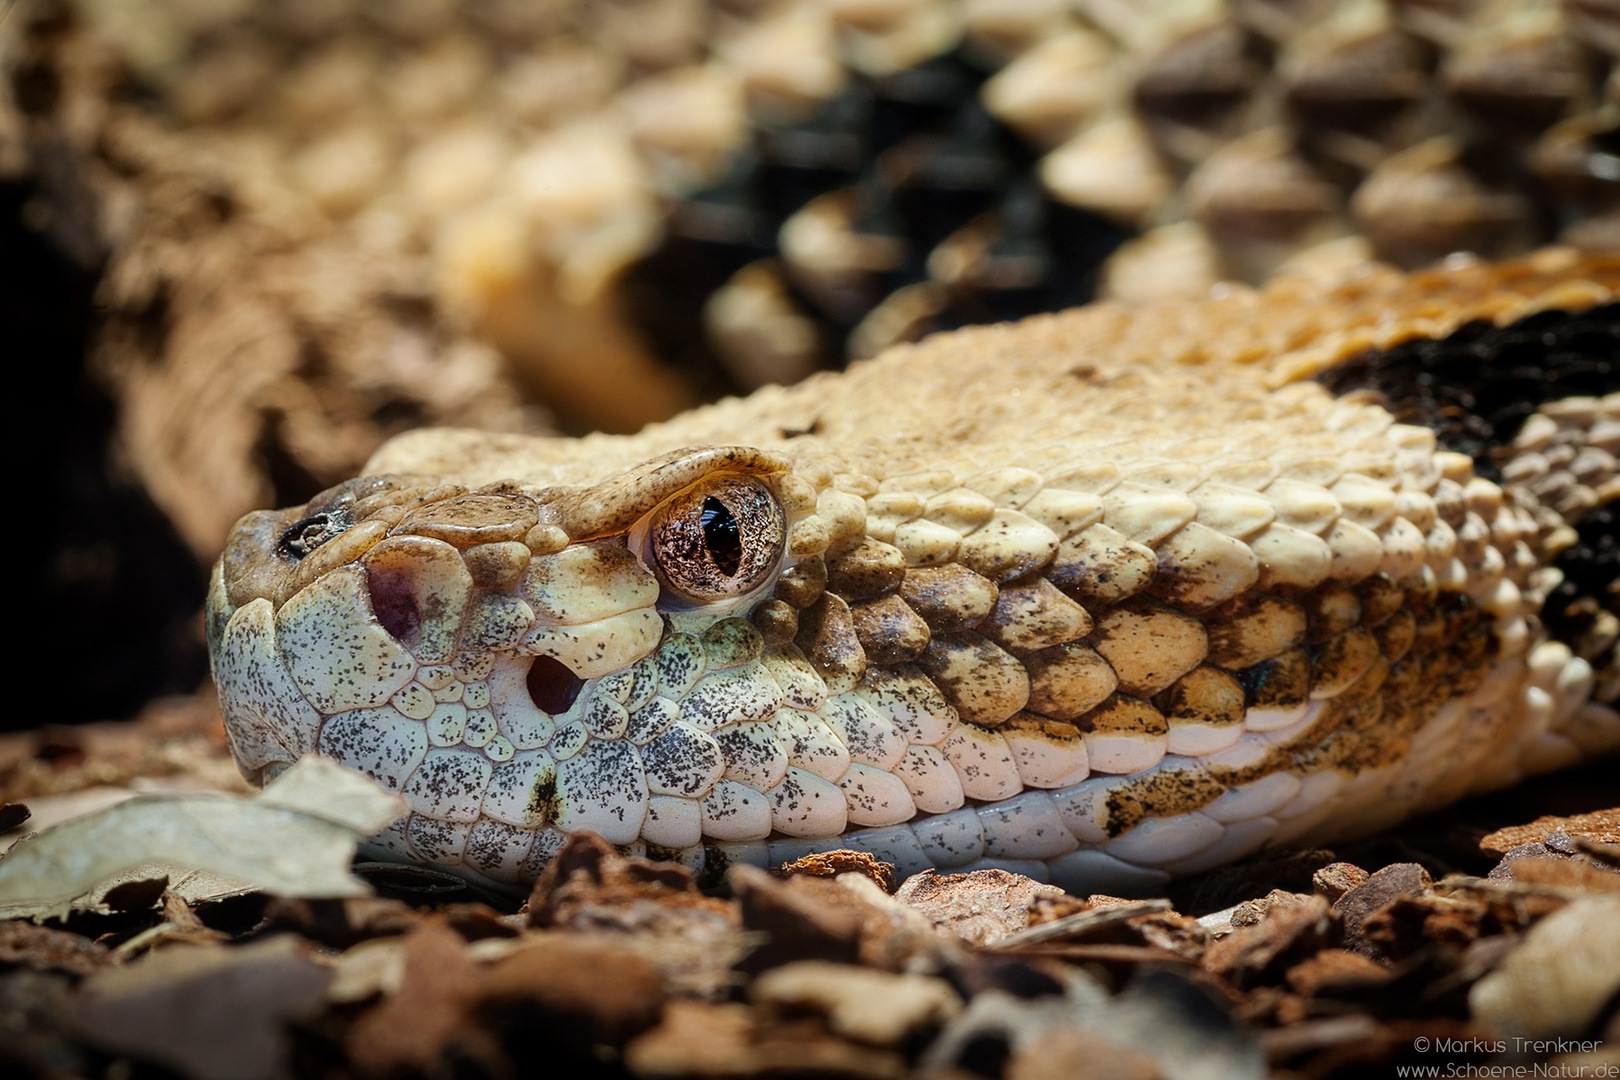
x: 244, y: 241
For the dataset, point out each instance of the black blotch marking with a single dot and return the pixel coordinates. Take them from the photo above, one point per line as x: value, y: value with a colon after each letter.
x: 1591, y: 568
x: 1476, y: 387
x: 543, y: 802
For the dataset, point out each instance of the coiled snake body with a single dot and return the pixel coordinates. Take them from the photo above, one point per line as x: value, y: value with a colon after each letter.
x: 1102, y: 597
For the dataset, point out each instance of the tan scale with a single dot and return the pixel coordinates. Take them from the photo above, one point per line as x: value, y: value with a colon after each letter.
x: 1127, y: 570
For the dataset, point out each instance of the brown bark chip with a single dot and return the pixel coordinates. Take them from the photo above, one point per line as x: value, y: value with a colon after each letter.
x: 573, y: 990
x: 1336, y: 879
x: 847, y: 919
x: 1286, y: 935
x: 1335, y: 971
x: 1510, y: 905
x: 1559, y: 859
x: 588, y: 883
x: 651, y: 909
x: 1602, y: 826
x: 980, y: 908
x: 1409, y: 924
x: 1556, y: 872
x: 1253, y: 912
x: 803, y: 918
x: 22, y: 944
x: 832, y: 863
x: 565, y: 994
x: 412, y: 1027
x: 1390, y: 883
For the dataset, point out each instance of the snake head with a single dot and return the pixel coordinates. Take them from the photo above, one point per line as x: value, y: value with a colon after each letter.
x: 514, y: 656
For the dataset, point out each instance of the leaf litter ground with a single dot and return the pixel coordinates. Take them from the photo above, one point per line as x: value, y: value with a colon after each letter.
x: 181, y: 925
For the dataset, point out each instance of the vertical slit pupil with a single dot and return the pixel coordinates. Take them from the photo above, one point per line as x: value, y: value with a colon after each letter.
x: 722, y: 535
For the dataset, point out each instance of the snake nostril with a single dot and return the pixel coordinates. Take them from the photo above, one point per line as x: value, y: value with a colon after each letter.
x: 305, y: 536
x: 394, y: 601
x: 552, y: 687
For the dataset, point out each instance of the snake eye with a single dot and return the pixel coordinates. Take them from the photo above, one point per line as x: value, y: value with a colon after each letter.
x: 718, y: 539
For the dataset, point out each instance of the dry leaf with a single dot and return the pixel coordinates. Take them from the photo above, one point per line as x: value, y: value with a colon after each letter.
x: 296, y: 839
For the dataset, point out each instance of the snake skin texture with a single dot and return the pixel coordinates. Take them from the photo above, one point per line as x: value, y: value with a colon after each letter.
x: 1101, y: 597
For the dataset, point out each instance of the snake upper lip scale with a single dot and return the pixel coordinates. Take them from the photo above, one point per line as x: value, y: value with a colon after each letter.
x: 1101, y: 597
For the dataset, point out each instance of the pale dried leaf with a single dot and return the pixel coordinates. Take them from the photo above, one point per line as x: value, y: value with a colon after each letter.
x: 303, y: 851
x: 322, y: 788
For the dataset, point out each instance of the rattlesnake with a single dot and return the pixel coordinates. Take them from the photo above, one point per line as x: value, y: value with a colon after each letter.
x: 1102, y: 597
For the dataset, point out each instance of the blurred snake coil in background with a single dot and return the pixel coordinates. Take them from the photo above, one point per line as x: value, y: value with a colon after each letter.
x: 245, y: 242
